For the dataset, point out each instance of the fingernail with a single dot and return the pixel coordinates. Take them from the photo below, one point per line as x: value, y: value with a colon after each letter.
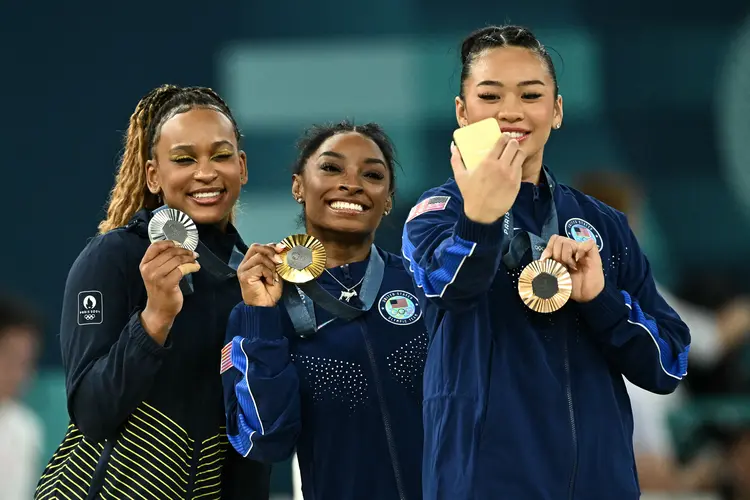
x: 280, y: 246
x: 278, y: 259
x: 196, y: 254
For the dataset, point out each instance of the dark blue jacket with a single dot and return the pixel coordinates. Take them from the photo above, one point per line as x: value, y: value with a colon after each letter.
x: 347, y: 397
x: 147, y: 421
x: 522, y: 405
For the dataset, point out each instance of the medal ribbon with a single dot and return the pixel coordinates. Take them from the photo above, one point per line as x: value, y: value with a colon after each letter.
x: 514, y: 247
x: 302, y: 312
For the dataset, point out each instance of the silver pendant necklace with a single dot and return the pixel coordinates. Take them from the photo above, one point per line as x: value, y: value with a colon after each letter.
x: 348, y: 292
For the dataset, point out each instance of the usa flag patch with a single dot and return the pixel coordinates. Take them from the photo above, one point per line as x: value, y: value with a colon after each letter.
x: 226, y: 358
x: 431, y: 204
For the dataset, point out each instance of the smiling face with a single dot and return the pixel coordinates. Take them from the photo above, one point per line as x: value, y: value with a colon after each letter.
x: 197, y: 165
x: 345, y: 186
x: 514, y: 86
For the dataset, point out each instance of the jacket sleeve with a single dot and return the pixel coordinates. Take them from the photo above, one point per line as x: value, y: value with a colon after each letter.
x: 261, y: 386
x: 110, y: 361
x: 450, y: 257
x: 642, y: 336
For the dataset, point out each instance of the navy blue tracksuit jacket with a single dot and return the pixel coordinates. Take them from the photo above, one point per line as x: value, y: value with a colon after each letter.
x: 347, y: 397
x: 522, y: 405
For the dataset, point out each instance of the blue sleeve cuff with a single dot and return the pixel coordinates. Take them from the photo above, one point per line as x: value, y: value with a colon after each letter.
x: 605, y: 311
x: 476, y: 232
x: 263, y: 323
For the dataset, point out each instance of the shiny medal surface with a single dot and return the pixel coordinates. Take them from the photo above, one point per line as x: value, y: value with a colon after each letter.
x: 172, y: 224
x: 545, y: 286
x: 303, y: 261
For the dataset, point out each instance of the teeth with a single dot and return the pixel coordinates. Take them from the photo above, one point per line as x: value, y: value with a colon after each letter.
x: 342, y: 205
x: 212, y: 194
x: 515, y: 135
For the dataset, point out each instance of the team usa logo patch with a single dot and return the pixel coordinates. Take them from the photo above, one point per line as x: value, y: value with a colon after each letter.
x: 580, y: 231
x: 400, y: 308
x: 226, y: 358
x: 431, y: 204
x: 90, y: 308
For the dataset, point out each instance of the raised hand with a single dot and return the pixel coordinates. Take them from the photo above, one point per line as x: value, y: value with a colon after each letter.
x: 162, y: 267
x: 583, y: 262
x: 490, y: 189
x: 261, y: 285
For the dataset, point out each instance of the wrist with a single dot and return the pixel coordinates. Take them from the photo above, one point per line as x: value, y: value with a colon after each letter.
x: 156, y: 324
x: 479, y: 216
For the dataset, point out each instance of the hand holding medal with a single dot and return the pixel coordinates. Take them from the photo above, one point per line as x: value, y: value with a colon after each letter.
x: 583, y: 262
x: 169, y: 224
x: 258, y: 277
x: 298, y: 259
x: 170, y: 257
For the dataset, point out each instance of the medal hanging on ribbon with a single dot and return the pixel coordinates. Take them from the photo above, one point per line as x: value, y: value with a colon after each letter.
x: 544, y: 285
x: 302, y: 264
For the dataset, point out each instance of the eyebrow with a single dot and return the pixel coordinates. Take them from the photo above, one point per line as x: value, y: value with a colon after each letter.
x: 495, y: 83
x: 214, y: 145
x: 334, y: 154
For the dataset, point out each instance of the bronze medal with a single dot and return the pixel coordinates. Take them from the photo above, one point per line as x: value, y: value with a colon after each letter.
x: 303, y: 261
x: 545, y: 286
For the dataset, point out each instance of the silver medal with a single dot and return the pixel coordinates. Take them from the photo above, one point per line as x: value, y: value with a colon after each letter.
x: 172, y: 224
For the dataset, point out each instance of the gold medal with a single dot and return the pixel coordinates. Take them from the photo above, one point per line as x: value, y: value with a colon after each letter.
x: 545, y: 286
x: 303, y: 261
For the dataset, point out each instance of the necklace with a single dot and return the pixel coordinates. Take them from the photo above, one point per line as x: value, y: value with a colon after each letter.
x: 348, y: 292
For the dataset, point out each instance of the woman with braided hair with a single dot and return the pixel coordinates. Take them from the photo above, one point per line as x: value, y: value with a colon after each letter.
x: 141, y: 349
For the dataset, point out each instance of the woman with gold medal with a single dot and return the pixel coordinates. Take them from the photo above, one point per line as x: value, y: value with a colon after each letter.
x: 537, y: 298
x: 325, y: 353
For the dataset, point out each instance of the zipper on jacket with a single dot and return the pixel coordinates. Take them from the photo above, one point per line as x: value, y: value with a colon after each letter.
x: 571, y: 414
x: 386, y: 416
x: 193, y: 470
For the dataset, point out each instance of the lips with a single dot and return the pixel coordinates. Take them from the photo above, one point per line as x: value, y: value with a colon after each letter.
x: 207, y: 196
x: 349, y: 207
x: 517, y: 134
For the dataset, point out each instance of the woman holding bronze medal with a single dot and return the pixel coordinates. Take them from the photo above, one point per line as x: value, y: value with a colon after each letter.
x: 537, y: 299
x: 142, y: 321
x: 326, y: 352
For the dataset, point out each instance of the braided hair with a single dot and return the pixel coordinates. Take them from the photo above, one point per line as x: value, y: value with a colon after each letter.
x: 130, y: 192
